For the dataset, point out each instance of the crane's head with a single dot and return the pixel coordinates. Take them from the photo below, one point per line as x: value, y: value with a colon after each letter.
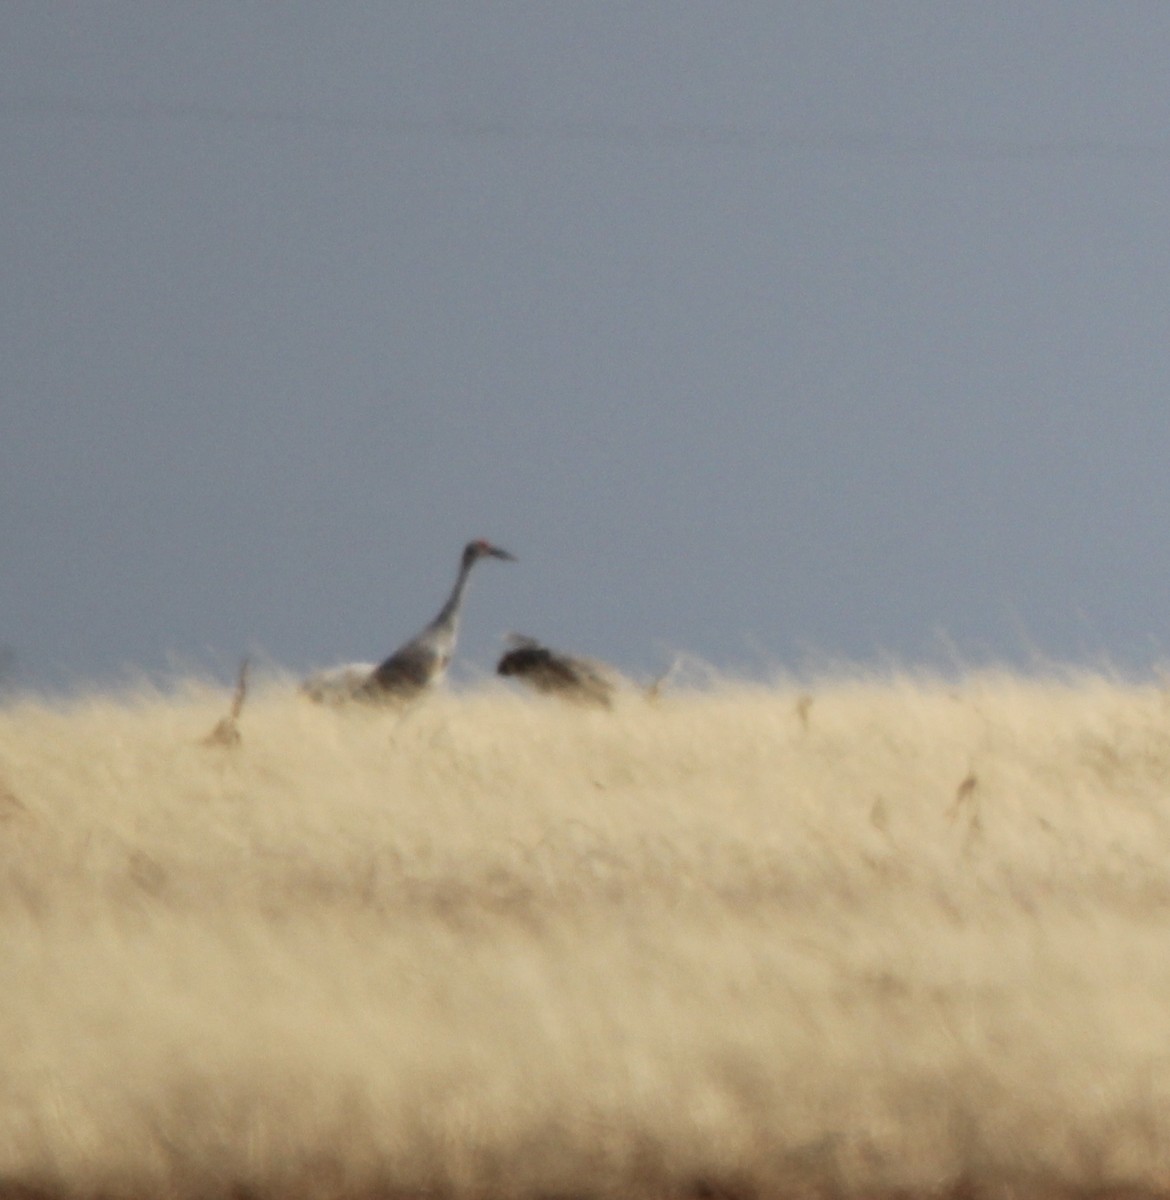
x: 482, y: 549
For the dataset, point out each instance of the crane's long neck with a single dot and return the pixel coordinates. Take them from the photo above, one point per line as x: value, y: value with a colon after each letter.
x: 449, y: 614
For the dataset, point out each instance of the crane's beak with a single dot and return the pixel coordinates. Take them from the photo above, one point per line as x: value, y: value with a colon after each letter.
x: 496, y: 552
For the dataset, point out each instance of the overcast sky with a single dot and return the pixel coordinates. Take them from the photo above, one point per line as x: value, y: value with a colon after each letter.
x: 771, y: 332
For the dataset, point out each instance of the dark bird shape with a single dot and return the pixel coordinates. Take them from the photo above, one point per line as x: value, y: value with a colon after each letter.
x: 581, y: 680
x: 417, y: 664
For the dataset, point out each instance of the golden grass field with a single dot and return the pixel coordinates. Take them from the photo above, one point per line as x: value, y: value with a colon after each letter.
x: 857, y: 937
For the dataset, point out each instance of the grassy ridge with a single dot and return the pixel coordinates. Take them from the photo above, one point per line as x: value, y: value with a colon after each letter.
x: 865, y: 938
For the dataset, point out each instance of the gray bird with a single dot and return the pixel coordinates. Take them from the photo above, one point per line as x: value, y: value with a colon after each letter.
x: 417, y: 664
x: 422, y: 660
x: 581, y: 680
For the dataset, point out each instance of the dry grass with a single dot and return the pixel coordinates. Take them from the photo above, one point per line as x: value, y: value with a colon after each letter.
x: 863, y: 938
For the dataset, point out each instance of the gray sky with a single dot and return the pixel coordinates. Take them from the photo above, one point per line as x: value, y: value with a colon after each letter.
x: 772, y: 332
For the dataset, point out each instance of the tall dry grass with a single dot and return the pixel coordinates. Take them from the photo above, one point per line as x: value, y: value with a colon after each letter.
x: 868, y: 937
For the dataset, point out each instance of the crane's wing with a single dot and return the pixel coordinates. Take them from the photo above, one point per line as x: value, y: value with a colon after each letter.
x: 406, y: 671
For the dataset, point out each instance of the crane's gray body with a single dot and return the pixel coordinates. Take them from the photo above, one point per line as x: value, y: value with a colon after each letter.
x: 582, y: 680
x: 423, y: 660
x: 418, y: 663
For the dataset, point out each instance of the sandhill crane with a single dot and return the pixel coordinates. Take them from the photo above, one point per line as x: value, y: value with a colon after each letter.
x: 415, y: 665
x: 583, y: 680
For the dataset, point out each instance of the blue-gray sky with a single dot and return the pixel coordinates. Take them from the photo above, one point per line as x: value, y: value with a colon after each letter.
x: 765, y: 331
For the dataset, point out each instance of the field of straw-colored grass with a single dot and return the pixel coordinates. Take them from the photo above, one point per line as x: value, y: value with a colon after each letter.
x: 868, y: 937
